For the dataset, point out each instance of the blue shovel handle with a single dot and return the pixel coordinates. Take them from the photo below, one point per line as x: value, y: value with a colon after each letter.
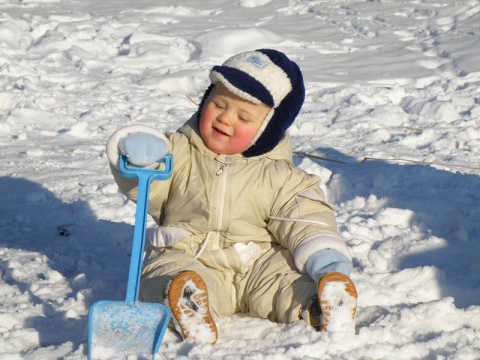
x: 145, y: 177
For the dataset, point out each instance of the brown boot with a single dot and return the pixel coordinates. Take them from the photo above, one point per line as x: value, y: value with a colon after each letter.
x: 336, y: 295
x: 188, y: 300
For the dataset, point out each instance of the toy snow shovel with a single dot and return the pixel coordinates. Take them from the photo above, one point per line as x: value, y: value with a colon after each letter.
x: 131, y: 327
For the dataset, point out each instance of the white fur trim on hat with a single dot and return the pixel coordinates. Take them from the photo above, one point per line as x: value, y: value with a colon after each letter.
x: 262, y: 69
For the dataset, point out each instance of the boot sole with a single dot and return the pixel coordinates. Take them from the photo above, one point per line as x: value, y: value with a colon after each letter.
x: 327, y: 305
x: 192, y: 312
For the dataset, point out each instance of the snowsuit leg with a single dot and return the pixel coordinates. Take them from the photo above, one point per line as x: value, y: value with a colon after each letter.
x: 275, y: 290
x: 157, y: 275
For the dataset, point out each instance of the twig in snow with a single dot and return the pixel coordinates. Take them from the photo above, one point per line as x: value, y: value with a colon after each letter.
x: 193, y: 101
x: 304, y: 154
x: 365, y: 159
x: 421, y: 162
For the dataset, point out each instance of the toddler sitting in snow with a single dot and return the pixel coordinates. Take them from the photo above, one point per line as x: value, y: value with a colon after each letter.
x: 240, y: 228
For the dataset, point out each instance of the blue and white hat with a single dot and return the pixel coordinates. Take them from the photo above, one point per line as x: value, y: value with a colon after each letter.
x: 268, y: 77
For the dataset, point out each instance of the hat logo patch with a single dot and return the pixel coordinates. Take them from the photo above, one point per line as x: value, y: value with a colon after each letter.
x: 256, y: 61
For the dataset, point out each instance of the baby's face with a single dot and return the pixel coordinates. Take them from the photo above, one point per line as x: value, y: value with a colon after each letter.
x: 229, y: 123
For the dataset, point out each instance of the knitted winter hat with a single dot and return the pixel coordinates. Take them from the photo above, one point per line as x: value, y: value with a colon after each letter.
x: 268, y: 77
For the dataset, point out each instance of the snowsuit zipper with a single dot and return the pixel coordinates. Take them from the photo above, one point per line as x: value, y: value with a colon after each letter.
x: 223, y: 167
x: 222, y: 172
x: 222, y: 186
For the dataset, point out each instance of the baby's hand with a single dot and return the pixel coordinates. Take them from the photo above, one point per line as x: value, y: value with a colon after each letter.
x: 143, y: 149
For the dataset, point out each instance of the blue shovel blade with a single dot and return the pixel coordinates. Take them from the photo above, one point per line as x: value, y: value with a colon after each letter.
x: 118, y: 329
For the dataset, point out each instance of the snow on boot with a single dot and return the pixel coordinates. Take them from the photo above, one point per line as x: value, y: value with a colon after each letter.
x: 188, y: 300
x: 337, y: 303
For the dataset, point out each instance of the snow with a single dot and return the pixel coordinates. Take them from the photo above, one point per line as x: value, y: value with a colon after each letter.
x: 393, y: 96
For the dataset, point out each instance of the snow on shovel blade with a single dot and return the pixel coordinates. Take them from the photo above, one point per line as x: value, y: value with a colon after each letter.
x: 119, y: 328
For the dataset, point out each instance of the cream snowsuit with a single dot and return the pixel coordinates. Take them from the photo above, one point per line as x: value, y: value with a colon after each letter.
x: 246, y: 225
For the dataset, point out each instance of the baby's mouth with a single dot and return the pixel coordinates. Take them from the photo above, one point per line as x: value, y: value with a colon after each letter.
x: 220, y: 132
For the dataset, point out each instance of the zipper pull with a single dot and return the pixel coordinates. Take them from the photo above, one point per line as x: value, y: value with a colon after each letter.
x: 228, y: 161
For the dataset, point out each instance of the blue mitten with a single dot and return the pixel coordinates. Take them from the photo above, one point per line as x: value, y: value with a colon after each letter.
x: 325, y: 261
x: 143, y: 149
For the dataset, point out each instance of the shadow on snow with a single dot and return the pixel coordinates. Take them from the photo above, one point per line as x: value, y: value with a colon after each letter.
x: 444, y: 204
x: 91, y: 255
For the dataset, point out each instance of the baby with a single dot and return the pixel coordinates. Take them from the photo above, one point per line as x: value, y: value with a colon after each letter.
x: 240, y: 228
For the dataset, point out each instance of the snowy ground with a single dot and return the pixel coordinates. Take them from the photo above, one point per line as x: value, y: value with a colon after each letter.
x: 397, y: 80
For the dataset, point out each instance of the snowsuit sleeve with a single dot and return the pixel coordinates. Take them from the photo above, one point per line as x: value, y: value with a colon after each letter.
x: 302, y: 220
x: 159, y: 190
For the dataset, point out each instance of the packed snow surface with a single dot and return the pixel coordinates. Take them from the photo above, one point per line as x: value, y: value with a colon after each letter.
x: 393, y: 104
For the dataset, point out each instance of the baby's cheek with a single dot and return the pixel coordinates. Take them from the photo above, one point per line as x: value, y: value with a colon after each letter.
x: 242, y: 139
x: 206, y: 113
x: 205, y: 120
